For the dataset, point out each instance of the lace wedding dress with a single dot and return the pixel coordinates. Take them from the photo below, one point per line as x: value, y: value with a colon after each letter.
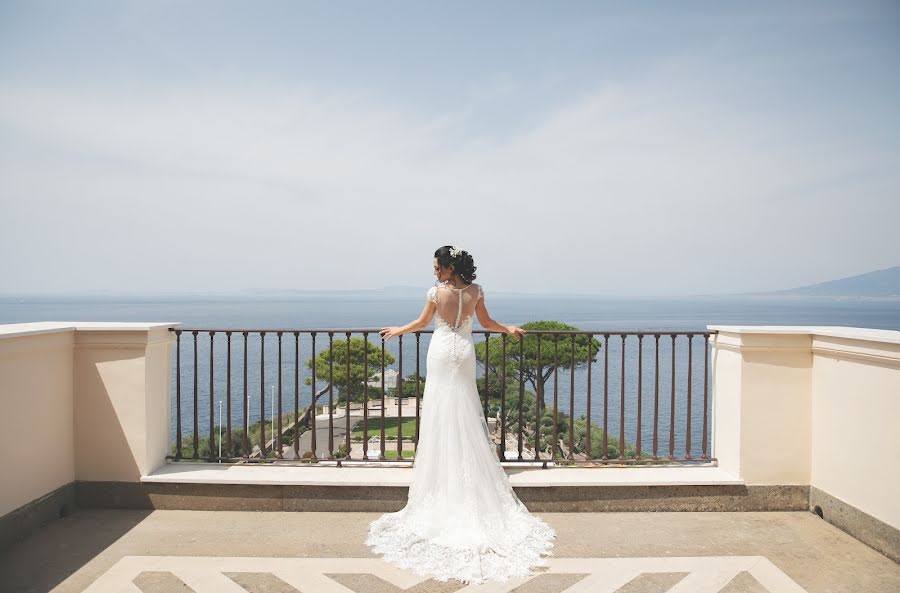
x: 462, y: 519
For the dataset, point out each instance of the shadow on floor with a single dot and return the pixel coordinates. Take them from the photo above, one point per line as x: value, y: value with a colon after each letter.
x: 47, y: 557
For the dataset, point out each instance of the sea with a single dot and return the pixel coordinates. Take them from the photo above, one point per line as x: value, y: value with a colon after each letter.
x: 374, y: 311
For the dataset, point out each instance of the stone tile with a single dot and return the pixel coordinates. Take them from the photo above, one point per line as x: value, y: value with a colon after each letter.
x: 370, y: 583
x: 549, y: 583
x: 744, y: 582
x: 160, y: 581
x: 652, y: 582
x: 260, y: 582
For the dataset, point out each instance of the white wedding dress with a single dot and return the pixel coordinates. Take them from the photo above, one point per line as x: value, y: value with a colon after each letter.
x: 462, y: 519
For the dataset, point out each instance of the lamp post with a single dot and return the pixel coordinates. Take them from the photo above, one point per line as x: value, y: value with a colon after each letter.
x: 272, y: 407
x: 220, y: 431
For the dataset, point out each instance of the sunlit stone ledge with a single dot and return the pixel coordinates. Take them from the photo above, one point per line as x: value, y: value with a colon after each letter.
x: 45, y: 327
x: 325, y: 475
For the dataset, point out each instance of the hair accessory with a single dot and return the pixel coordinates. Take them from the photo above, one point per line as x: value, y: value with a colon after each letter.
x: 455, y: 251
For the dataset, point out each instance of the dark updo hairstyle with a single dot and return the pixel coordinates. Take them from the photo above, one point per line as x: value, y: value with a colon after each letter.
x: 463, y: 264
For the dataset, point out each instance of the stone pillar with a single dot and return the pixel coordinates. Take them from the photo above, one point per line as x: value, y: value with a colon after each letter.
x: 762, y: 404
x: 122, y: 379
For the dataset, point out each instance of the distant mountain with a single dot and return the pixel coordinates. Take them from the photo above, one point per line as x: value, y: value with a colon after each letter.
x: 880, y: 283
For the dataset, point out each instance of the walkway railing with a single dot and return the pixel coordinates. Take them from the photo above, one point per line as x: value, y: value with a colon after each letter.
x: 652, y: 406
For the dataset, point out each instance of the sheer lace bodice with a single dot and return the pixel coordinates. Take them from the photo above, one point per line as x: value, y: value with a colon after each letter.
x: 455, y: 307
x: 462, y: 519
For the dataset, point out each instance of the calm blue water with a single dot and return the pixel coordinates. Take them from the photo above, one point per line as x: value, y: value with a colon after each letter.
x: 593, y: 314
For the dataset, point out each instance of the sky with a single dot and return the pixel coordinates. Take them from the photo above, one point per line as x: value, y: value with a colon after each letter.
x: 650, y: 148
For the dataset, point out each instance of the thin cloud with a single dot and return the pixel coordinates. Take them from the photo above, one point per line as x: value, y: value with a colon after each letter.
x: 658, y: 184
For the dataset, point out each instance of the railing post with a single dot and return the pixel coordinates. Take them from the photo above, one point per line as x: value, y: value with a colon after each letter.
x: 399, y: 391
x: 296, y: 423
x: 228, y: 444
x: 330, y: 395
x: 640, y: 395
x: 487, y: 353
x: 262, y: 396
x: 212, y: 416
x: 196, y: 454
x: 246, y: 405
x: 178, y: 453
x: 521, y: 393
x: 572, y: 398
x: 502, y: 397
x: 605, y: 442
x: 622, y: 403
x: 538, y: 401
x: 276, y: 438
x: 365, y: 454
x: 312, y: 399
x: 555, y: 445
x: 349, y: 397
x: 383, y: 447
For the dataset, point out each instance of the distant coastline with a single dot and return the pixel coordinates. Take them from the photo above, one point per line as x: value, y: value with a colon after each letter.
x: 346, y: 295
x: 879, y: 285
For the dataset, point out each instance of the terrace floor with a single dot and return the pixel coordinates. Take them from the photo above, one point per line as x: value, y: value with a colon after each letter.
x: 323, y: 552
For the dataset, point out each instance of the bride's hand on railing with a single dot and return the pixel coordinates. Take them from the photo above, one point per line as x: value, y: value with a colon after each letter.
x: 515, y: 331
x: 389, y: 332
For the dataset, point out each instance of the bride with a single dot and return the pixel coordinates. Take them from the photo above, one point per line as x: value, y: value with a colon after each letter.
x: 462, y: 519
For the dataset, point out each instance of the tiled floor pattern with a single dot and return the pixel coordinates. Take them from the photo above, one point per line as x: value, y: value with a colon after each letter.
x: 694, y: 574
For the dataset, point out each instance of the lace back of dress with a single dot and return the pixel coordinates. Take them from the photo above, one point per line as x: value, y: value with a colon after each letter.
x: 456, y: 306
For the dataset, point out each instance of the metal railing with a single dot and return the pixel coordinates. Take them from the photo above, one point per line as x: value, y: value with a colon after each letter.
x: 565, y: 447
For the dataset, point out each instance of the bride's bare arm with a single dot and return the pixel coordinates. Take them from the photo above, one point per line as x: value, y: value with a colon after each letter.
x: 484, y: 319
x: 416, y: 324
